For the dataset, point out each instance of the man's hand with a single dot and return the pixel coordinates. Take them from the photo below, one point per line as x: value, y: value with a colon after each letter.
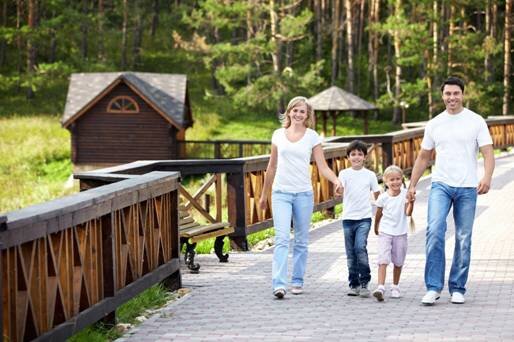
x: 484, y: 186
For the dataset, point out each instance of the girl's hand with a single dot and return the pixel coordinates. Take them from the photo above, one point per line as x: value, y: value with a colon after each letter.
x: 376, y: 230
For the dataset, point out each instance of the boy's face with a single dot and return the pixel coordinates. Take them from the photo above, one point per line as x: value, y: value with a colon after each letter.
x: 356, y: 158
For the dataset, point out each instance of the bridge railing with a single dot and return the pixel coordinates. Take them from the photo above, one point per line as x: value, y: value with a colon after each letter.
x: 72, y: 261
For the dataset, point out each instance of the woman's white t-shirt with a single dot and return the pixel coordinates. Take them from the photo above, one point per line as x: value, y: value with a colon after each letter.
x: 393, y: 221
x: 357, y: 185
x: 293, y: 172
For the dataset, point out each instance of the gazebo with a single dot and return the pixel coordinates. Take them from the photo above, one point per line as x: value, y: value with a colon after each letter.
x: 332, y: 101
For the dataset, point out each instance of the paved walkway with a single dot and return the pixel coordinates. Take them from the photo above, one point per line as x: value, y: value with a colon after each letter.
x: 233, y: 302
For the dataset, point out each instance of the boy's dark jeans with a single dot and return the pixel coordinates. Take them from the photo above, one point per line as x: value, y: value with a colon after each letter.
x: 356, y: 239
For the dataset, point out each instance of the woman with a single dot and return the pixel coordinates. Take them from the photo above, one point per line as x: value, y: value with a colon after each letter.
x: 292, y: 196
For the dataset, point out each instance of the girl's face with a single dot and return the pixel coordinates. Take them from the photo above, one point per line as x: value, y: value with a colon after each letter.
x: 394, y: 181
x: 298, y: 114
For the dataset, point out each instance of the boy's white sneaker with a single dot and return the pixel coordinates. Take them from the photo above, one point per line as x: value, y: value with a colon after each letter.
x: 395, y: 291
x: 458, y: 298
x: 430, y: 297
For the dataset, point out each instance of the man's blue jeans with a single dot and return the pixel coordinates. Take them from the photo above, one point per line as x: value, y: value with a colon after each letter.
x: 355, y: 240
x: 441, y: 198
x: 287, y: 206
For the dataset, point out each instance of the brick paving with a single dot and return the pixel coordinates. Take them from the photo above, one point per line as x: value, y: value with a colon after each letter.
x: 233, y: 301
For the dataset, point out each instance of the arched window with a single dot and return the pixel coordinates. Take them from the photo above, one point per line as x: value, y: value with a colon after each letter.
x: 123, y: 104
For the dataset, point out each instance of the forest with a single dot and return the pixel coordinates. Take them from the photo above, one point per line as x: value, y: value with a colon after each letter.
x: 255, y: 54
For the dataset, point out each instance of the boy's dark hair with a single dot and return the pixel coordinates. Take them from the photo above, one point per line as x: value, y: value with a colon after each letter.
x: 453, y: 81
x: 358, y: 145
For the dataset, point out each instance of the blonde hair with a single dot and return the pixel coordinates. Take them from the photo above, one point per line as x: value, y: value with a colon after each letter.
x: 396, y: 169
x: 295, y: 101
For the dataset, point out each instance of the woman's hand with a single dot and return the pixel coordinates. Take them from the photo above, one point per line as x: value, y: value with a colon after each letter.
x: 338, y: 188
x: 263, y: 202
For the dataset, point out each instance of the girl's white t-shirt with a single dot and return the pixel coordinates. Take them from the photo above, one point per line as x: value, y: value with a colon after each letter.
x: 293, y: 173
x: 394, y: 220
x: 357, y: 185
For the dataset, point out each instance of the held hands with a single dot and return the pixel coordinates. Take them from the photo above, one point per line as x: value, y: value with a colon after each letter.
x: 411, y: 194
x: 484, y: 186
x: 263, y: 202
x: 338, y: 188
x: 376, y: 229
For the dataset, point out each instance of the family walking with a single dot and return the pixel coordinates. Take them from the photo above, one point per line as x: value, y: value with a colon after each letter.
x: 456, y: 135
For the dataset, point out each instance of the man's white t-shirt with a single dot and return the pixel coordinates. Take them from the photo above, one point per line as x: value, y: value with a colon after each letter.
x: 394, y: 220
x: 357, y: 185
x: 456, y: 139
x: 293, y: 172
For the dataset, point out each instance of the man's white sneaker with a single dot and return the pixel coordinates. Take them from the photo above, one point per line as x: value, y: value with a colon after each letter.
x: 458, y: 298
x: 430, y: 297
x: 296, y: 289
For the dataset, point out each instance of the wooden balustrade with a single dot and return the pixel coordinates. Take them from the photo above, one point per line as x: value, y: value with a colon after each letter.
x: 70, y: 262
x: 222, y: 149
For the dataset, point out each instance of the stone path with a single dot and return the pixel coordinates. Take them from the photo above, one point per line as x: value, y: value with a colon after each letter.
x: 233, y: 302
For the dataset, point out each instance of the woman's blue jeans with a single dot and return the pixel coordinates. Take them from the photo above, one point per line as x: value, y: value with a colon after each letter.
x: 355, y: 241
x: 441, y: 198
x: 298, y: 207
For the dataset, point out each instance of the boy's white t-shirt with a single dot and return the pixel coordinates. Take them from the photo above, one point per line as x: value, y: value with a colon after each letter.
x: 293, y: 173
x: 456, y: 139
x: 394, y: 220
x: 358, y: 185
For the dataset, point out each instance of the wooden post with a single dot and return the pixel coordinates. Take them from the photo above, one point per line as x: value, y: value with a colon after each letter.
x: 109, y: 283
x: 325, y: 123
x: 236, y: 209
x: 174, y: 281
x: 334, y: 119
x: 217, y: 150
x: 365, y: 113
x: 387, y: 153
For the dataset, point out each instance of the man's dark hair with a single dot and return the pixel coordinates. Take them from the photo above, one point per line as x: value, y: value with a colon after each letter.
x: 358, y: 145
x: 453, y: 81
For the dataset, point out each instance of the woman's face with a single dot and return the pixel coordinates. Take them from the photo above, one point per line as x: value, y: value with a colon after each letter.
x: 298, y: 114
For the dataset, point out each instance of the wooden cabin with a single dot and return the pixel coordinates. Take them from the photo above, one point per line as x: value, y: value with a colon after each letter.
x: 121, y: 117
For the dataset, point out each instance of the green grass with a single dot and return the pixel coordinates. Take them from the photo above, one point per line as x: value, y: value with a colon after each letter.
x: 35, y: 162
x: 154, y: 297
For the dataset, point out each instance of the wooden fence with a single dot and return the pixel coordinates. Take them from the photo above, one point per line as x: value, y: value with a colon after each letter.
x: 222, y: 149
x: 70, y: 262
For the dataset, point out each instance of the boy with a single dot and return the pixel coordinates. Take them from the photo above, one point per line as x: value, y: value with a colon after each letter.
x: 357, y: 183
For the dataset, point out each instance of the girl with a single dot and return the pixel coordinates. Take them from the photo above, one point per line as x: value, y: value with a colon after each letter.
x: 292, y: 196
x: 391, y: 228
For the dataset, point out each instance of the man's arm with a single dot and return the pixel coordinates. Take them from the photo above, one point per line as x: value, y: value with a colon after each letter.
x: 420, y: 166
x: 485, y: 183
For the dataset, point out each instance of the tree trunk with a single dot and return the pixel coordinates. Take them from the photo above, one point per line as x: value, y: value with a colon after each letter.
x: 84, y: 28
x: 450, y: 37
x: 100, y: 38
x: 335, y: 41
x: 318, y: 26
x: 276, y: 54
x: 507, y: 57
x: 124, y: 35
x: 3, y: 44
x: 435, y: 59
x: 373, y: 46
x: 350, y: 79
x: 155, y: 18
x: 31, y: 46
x: 138, y: 35
x: 397, y: 114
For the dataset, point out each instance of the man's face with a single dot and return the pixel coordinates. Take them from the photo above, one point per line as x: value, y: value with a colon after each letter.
x: 452, y: 97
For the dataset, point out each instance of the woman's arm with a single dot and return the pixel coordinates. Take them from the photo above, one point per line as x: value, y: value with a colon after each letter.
x: 378, y: 217
x: 325, y: 171
x: 269, y: 177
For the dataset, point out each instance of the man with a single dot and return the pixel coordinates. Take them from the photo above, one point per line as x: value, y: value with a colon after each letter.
x: 456, y: 134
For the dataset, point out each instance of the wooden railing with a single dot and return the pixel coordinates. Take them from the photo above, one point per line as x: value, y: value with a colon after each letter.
x: 402, y: 147
x: 70, y: 262
x: 242, y: 180
x: 222, y: 149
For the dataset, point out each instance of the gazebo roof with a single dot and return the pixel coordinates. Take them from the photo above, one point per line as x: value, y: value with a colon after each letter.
x: 336, y: 99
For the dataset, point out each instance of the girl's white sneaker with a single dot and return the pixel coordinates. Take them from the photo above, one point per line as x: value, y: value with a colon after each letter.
x: 395, y: 292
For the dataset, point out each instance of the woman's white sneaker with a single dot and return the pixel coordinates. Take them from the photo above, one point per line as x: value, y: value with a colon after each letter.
x: 458, y: 298
x: 430, y: 297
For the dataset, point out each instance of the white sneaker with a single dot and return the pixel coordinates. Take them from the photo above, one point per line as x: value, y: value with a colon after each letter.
x: 458, y: 298
x: 296, y: 289
x: 395, y: 291
x: 430, y: 297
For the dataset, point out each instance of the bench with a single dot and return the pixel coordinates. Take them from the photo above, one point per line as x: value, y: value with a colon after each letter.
x: 190, y: 232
